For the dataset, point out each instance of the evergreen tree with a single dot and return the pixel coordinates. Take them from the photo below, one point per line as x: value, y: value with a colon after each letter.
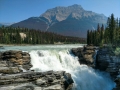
x: 98, y: 28
x: 10, y: 35
x: 102, y: 34
x: 119, y: 22
x: 88, y: 37
x: 91, y: 39
x: 112, y: 28
x: 95, y: 35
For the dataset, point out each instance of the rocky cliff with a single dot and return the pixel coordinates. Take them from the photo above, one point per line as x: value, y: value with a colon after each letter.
x: 15, y: 74
x: 104, y: 60
x: 85, y: 55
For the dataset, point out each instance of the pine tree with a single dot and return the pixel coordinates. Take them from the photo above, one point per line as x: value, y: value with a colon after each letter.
x: 108, y: 22
x: 91, y: 40
x: 119, y: 22
x: 98, y: 28
x: 95, y: 35
x: 112, y: 28
x: 88, y: 38
x: 102, y: 34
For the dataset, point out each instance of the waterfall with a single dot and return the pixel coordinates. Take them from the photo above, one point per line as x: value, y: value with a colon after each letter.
x: 85, y: 78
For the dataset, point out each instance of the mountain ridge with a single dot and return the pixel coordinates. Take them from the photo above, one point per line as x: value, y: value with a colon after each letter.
x: 62, y: 20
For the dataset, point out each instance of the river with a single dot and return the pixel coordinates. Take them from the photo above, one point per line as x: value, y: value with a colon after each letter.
x: 59, y: 57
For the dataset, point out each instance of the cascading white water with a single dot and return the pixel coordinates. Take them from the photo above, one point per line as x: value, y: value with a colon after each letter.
x: 85, y: 78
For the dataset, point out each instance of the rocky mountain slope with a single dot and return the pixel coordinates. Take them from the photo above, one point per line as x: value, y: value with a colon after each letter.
x: 71, y: 21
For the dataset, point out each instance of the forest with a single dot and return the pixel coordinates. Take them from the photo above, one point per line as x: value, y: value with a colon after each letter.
x: 11, y: 35
x: 109, y: 34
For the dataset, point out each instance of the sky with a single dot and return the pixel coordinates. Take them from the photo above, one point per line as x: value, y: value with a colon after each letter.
x: 12, y: 11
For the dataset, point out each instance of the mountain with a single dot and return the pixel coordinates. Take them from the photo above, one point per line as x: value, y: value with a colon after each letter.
x: 70, y: 21
x: 5, y: 24
x: 33, y: 23
x: 1, y: 25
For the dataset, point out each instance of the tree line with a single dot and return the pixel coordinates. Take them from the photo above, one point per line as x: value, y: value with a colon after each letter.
x: 11, y: 35
x: 105, y: 35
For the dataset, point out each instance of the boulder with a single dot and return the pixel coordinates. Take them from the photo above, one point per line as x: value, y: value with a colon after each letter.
x: 41, y: 82
x: 85, y: 54
x: 13, y: 58
x: 77, y: 51
x: 50, y: 79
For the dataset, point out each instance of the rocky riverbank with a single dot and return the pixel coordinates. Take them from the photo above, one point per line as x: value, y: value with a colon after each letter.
x: 85, y: 55
x: 108, y: 62
x: 104, y: 59
x: 15, y: 74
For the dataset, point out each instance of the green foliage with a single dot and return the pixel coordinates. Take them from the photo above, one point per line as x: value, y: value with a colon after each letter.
x: 111, y: 35
x: 117, y: 51
x: 10, y: 35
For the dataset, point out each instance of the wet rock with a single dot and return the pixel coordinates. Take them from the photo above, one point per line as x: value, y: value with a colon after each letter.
x: 118, y: 88
x: 27, y: 67
x: 24, y: 88
x: 40, y: 82
x: 13, y: 58
x: 37, y: 79
x: 18, y: 55
x: 49, y: 72
x: 77, y: 51
x: 15, y: 74
x: 3, y: 64
x: 101, y: 62
x: 54, y: 87
x: 68, y: 80
x: 117, y: 81
x: 9, y: 70
x: 85, y: 54
x: 50, y: 79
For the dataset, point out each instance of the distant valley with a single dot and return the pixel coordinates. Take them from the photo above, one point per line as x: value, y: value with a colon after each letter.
x: 69, y: 21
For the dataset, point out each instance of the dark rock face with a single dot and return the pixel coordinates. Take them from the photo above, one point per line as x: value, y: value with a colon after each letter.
x: 12, y: 75
x: 70, y: 21
x: 106, y: 61
x: 102, y: 60
x: 85, y: 54
x: 117, y: 83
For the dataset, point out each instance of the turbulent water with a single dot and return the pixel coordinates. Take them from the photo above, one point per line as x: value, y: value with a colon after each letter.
x: 58, y: 57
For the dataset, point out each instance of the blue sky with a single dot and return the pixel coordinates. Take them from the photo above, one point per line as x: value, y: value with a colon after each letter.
x: 18, y: 10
